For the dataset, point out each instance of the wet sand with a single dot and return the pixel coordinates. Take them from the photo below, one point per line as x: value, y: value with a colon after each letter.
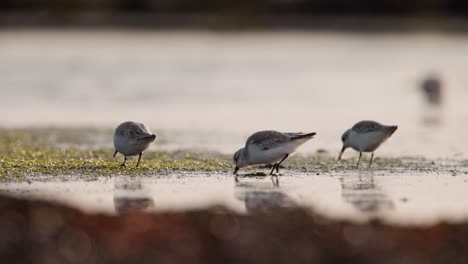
x: 73, y: 166
x: 357, y: 195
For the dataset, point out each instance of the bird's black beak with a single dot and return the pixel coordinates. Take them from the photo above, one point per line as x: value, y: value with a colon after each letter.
x: 341, y: 152
x: 236, y: 169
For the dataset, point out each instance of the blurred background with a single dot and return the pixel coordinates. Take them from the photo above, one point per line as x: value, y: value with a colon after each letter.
x: 231, y: 14
x: 206, y: 74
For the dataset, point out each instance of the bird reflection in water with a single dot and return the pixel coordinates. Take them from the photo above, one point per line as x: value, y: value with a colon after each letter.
x: 364, y: 194
x: 261, y: 197
x: 129, y: 195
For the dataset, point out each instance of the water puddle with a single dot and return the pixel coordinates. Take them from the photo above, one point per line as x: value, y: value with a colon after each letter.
x: 406, y: 199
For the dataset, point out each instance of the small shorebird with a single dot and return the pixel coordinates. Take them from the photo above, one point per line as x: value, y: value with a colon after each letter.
x: 131, y: 139
x: 269, y: 147
x: 366, y: 136
x: 432, y: 87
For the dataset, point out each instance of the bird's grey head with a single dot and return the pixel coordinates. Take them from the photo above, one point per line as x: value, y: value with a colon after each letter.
x: 345, y: 140
x: 239, y: 158
x: 345, y: 137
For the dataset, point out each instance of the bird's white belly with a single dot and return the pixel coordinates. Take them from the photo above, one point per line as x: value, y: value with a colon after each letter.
x: 269, y: 156
x: 367, y: 142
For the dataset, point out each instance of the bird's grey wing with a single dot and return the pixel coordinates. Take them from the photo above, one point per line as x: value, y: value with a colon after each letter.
x: 367, y: 126
x: 137, y: 131
x: 143, y: 128
x: 267, y: 139
x: 294, y: 134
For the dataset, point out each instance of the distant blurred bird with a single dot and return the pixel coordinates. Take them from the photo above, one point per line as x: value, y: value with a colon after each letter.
x: 432, y: 89
x: 366, y: 136
x: 269, y: 147
x: 131, y: 139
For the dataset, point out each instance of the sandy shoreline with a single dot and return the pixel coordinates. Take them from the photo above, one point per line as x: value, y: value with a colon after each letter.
x: 71, y: 167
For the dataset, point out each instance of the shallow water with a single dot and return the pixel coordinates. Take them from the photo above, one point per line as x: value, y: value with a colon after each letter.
x: 359, y: 195
x: 211, y: 90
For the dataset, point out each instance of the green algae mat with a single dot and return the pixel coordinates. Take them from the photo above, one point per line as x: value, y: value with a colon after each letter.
x: 88, y: 151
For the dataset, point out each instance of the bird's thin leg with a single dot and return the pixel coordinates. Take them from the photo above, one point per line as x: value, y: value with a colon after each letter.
x: 125, y: 160
x: 235, y: 178
x: 359, y: 160
x: 278, y: 164
x: 274, y: 167
x: 371, y: 158
x: 115, y: 153
x: 139, y: 158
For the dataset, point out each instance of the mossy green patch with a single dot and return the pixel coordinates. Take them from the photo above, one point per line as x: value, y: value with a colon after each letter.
x: 49, y: 151
x: 35, y: 152
x: 33, y: 161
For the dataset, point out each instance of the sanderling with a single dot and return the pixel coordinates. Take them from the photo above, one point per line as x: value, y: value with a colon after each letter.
x: 131, y: 139
x: 269, y: 147
x: 366, y: 136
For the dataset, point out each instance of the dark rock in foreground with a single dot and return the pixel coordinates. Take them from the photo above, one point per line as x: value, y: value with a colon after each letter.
x: 40, y: 232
